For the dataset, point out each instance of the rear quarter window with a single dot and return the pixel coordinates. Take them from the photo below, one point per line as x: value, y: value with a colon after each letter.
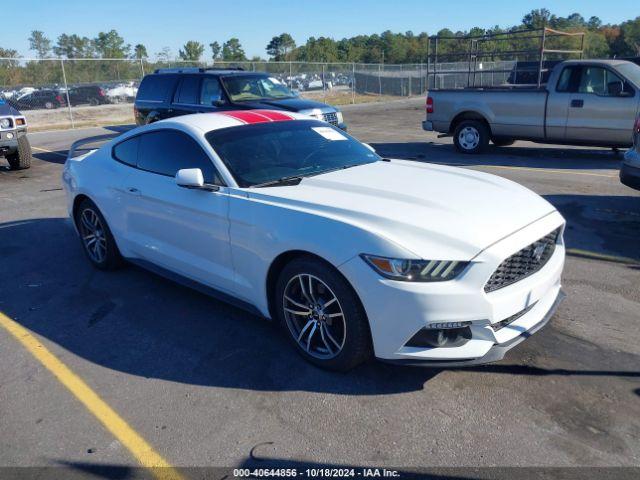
x: 156, y: 88
x: 127, y: 151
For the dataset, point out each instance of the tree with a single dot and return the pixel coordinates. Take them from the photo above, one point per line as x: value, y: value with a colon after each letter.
x: 538, y: 18
x: 140, y: 51
x: 40, y: 44
x: 279, y: 47
x: 74, y: 46
x: 232, y: 51
x: 215, y: 50
x: 164, y: 55
x: 192, y: 51
x: 111, y: 45
x: 630, y: 33
x: 594, y: 23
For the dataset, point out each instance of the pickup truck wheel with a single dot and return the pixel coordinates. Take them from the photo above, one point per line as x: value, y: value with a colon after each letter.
x: 502, y: 142
x: 471, y: 136
x: 21, y: 160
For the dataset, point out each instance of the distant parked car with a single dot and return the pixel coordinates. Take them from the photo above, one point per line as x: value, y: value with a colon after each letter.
x: 630, y: 170
x: 171, y: 92
x: 48, y: 99
x: 87, y: 94
x: 122, y: 93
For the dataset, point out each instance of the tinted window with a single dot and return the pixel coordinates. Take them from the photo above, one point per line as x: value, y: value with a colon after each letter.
x: 210, y: 91
x: 156, y: 87
x: 255, y: 87
x: 265, y: 152
x: 188, y: 91
x: 167, y: 151
x: 127, y: 151
x: 569, y: 78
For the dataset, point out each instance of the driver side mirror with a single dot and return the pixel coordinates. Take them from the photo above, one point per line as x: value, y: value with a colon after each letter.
x: 192, y: 178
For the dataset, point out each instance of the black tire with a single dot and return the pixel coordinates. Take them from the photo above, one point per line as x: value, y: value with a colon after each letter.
x: 503, y: 142
x: 49, y: 105
x: 468, y: 129
x: 111, y: 258
x: 21, y: 160
x: 356, y: 343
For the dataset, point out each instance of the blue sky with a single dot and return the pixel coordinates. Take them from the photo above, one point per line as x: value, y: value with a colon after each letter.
x: 162, y: 23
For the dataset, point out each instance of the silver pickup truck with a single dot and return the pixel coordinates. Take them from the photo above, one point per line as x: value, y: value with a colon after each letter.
x: 585, y: 102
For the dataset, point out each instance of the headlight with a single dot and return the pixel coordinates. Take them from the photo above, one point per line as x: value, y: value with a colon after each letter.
x: 415, y: 270
x: 339, y: 116
x: 5, y: 123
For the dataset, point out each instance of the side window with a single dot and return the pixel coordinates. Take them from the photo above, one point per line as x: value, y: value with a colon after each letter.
x: 187, y: 91
x: 167, y: 151
x: 210, y: 91
x: 568, y: 81
x: 127, y: 151
x: 156, y: 87
x: 602, y: 82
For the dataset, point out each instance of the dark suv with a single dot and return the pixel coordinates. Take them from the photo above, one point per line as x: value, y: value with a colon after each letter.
x: 170, y: 92
x: 87, y: 94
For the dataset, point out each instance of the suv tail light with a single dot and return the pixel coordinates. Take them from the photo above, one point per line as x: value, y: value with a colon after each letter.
x: 429, y: 105
x: 636, y: 127
x: 100, y: 93
x: 59, y: 99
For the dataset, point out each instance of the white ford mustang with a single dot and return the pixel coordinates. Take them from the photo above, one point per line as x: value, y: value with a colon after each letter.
x: 355, y: 255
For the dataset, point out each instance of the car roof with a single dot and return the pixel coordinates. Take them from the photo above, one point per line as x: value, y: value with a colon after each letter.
x: 231, y: 118
x: 207, y: 71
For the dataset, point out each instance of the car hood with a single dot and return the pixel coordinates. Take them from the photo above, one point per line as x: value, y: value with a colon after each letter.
x: 290, y: 104
x: 6, y: 108
x: 434, y: 211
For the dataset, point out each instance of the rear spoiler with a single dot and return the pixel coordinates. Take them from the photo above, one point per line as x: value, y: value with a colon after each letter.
x: 98, y: 139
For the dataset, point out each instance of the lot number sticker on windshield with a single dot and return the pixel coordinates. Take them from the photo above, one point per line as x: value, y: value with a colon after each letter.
x: 329, y: 133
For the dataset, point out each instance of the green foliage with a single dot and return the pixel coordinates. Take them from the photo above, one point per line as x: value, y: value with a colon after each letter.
x: 191, y: 51
x: 111, y: 45
x: 215, y: 50
x: 140, y: 51
x: 232, y: 51
x: 40, y: 44
x: 74, y: 46
x: 279, y: 47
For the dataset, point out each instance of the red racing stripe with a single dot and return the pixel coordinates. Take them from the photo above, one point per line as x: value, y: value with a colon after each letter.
x: 257, y: 116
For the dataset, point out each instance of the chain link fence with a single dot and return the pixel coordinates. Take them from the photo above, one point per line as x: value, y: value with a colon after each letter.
x: 71, y: 93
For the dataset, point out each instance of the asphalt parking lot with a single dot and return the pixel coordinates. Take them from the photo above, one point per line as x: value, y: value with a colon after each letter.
x: 206, y: 384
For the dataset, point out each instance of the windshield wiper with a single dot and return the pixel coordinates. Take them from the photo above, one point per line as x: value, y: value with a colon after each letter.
x: 292, y: 180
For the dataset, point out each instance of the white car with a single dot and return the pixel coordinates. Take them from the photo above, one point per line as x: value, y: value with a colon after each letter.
x: 355, y: 255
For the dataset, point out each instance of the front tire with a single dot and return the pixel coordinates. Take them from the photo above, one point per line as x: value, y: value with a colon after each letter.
x: 96, y: 238
x: 322, y: 315
x: 21, y: 160
x: 471, y: 136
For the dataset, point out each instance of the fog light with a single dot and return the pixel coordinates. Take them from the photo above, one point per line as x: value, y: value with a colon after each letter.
x: 440, y: 338
x: 9, y: 135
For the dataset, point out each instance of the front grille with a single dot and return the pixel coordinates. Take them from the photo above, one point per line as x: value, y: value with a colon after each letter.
x: 507, y: 321
x: 523, y: 263
x: 331, y: 117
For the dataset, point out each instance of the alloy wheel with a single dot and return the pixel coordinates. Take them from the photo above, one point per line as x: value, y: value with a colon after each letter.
x: 314, y: 316
x: 93, y: 235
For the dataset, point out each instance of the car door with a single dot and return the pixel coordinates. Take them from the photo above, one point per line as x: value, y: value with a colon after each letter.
x: 182, y: 230
x: 558, y: 101
x: 186, y: 97
x: 212, y: 97
x: 602, y: 109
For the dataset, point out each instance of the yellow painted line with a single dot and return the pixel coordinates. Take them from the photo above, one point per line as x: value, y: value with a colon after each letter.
x: 119, y: 428
x: 48, y: 151
x: 600, y: 256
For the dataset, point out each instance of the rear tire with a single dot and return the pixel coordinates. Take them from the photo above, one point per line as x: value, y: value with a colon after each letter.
x: 96, y: 238
x: 21, y: 160
x: 330, y: 328
x: 471, y: 136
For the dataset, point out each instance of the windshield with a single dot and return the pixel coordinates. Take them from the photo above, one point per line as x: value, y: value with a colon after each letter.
x: 631, y: 71
x: 266, y: 152
x: 252, y: 87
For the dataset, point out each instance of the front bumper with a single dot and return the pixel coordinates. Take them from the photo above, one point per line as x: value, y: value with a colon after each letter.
x: 10, y: 145
x: 397, y: 311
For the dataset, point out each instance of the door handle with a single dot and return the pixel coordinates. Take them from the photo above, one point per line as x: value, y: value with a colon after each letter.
x: 577, y: 103
x: 133, y: 190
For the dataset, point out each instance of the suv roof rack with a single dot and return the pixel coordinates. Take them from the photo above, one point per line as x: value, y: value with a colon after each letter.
x: 194, y: 69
